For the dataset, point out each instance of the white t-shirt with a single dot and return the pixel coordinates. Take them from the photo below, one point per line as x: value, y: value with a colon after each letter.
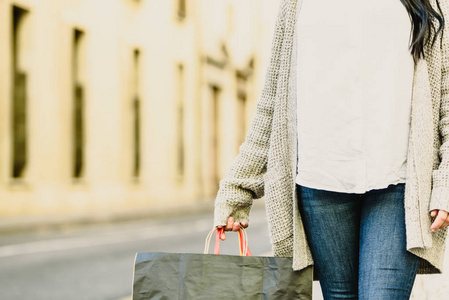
x: 353, y: 135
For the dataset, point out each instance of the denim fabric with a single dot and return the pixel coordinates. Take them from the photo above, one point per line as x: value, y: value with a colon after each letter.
x: 358, y: 242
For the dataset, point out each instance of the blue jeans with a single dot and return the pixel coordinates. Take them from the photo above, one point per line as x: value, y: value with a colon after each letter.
x: 358, y: 242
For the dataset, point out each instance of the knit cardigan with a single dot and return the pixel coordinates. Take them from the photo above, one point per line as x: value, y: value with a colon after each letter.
x: 266, y: 164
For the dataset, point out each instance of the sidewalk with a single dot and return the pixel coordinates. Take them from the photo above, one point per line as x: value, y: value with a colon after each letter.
x: 434, y: 286
x: 53, y: 222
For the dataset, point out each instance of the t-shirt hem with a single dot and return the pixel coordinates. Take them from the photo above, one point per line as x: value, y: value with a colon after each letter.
x: 384, y: 185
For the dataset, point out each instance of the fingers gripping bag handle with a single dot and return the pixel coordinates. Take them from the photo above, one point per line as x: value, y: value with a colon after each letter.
x: 243, y: 241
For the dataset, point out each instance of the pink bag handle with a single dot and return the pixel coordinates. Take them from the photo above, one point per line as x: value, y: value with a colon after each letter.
x: 243, y: 241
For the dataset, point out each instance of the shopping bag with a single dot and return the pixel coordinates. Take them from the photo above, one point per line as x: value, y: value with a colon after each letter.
x: 160, y: 275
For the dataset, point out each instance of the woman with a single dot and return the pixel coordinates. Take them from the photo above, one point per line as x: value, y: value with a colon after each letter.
x: 353, y: 160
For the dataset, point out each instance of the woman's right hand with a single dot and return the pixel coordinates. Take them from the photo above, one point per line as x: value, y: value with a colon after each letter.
x: 231, y: 225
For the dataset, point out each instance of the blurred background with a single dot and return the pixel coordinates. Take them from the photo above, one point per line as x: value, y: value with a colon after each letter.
x: 122, y: 106
x: 118, y: 118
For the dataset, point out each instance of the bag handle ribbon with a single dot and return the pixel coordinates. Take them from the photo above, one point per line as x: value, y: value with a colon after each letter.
x: 243, y: 241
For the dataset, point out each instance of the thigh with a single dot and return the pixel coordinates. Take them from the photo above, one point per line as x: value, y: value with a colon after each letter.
x: 386, y: 269
x: 331, y: 221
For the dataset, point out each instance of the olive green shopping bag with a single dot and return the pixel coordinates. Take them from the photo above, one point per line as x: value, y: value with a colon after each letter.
x: 159, y: 275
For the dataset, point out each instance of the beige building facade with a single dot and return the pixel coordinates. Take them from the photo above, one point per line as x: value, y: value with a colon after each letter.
x: 114, y: 106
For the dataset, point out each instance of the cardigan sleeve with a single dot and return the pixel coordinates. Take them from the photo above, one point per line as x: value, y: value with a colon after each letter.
x: 440, y: 177
x: 244, y: 181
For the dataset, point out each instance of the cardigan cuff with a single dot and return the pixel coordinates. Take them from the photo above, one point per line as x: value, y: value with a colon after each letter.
x: 439, y: 198
x: 225, y: 210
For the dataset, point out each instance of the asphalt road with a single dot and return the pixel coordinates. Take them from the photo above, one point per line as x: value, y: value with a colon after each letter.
x: 96, y: 261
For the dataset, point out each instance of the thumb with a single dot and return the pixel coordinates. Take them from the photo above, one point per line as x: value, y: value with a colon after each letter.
x: 433, y: 213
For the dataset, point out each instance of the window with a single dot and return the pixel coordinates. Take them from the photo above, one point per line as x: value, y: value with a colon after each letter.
x: 19, y: 96
x: 136, y: 113
x: 79, y: 104
x: 241, y: 108
x: 241, y: 119
x: 180, y: 123
x: 216, y: 130
x: 181, y: 9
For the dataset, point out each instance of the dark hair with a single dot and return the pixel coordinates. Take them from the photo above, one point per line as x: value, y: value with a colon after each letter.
x: 422, y: 15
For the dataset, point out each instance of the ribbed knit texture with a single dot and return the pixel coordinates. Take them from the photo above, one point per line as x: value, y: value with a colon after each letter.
x: 267, y: 161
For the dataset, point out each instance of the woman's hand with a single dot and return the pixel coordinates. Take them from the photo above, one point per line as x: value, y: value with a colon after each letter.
x: 441, y: 221
x: 231, y: 225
